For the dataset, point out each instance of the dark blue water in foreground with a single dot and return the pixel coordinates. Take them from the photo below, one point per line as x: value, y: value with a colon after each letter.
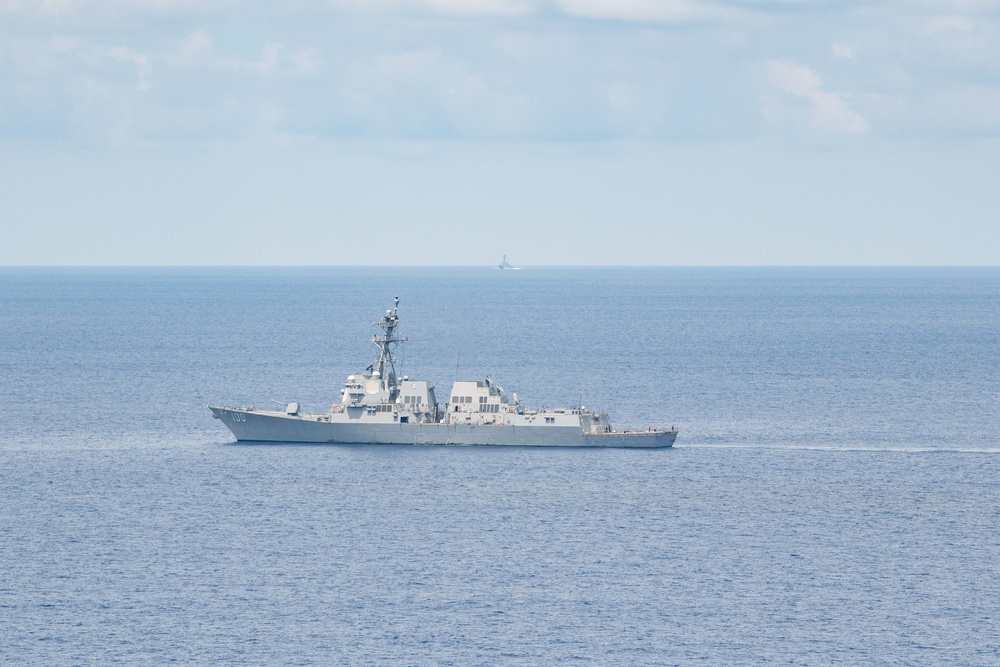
x: 834, y: 497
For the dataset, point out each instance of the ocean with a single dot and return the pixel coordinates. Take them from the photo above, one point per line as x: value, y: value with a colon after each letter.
x: 833, y: 497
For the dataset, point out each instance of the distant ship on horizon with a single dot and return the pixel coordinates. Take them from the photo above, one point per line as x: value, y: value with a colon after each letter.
x: 506, y: 265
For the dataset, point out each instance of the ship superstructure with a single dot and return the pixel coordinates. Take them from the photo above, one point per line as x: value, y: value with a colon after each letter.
x: 379, y: 407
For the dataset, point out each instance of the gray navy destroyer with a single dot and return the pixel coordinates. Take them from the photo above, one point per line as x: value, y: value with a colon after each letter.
x: 378, y: 407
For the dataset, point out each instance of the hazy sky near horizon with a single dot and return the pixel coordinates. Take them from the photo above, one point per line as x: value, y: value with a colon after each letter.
x: 454, y: 131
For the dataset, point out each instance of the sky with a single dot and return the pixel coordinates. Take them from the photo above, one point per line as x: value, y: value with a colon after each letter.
x: 452, y: 132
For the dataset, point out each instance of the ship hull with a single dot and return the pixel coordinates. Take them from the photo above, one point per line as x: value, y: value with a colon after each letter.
x: 254, y: 426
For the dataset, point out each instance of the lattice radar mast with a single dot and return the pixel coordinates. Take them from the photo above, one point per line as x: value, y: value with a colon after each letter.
x: 386, y: 343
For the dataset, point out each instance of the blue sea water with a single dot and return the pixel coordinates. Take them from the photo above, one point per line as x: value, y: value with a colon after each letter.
x: 834, y: 496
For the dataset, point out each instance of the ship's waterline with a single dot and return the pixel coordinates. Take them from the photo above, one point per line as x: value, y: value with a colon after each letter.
x: 378, y: 407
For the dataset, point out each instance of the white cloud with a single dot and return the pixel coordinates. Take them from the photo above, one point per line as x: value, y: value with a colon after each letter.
x: 453, y: 7
x: 196, y: 47
x: 656, y: 11
x: 794, y: 79
x: 140, y: 60
x: 268, y: 62
x: 971, y: 6
x: 69, y: 7
x: 474, y: 7
x: 410, y: 63
x: 939, y: 24
x: 306, y: 61
x: 63, y: 45
x: 844, y: 52
x: 829, y: 110
x: 642, y: 10
x: 961, y: 35
x: 419, y: 69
